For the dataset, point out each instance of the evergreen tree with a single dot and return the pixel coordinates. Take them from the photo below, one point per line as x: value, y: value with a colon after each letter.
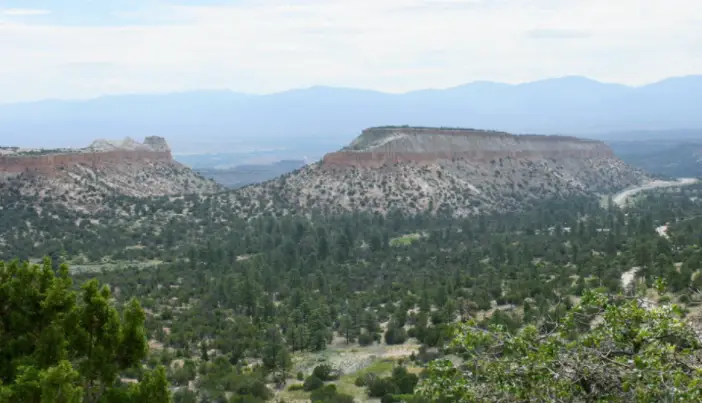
x: 45, y: 330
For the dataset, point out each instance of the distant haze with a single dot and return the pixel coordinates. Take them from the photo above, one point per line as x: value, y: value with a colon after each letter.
x: 325, y: 118
x: 72, y: 49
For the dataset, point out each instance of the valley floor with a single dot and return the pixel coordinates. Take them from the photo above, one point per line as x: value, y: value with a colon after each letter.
x: 353, y: 361
x: 621, y: 198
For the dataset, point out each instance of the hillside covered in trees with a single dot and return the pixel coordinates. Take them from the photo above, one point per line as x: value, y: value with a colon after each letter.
x: 368, y: 306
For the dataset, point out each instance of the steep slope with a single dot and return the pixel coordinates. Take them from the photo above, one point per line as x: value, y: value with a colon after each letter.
x: 460, y: 171
x: 82, y: 179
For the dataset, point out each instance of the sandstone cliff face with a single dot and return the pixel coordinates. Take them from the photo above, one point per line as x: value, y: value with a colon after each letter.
x: 154, y: 149
x: 82, y: 179
x: 386, y: 146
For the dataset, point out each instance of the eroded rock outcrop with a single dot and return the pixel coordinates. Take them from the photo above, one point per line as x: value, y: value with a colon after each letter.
x: 377, y: 147
x: 451, y: 171
x: 99, y: 155
x: 85, y: 179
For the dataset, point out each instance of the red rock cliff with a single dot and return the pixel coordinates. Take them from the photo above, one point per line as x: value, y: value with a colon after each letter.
x: 154, y: 149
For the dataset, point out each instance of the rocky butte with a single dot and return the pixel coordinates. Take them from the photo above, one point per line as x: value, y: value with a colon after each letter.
x: 85, y: 179
x: 99, y: 155
x: 377, y: 147
x: 452, y: 171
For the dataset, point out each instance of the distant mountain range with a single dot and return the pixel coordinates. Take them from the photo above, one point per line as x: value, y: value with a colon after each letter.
x: 326, y: 118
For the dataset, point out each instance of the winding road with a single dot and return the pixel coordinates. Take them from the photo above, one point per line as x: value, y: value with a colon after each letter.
x: 622, y: 197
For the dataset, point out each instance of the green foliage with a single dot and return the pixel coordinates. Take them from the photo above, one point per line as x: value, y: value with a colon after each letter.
x: 389, y: 398
x: 395, y: 335
x: 365, y: 339
x: 329, y: 394
x: 219, y: 378
x: 276, y: 357
x: 629, y: 352
x: 296, y: 386
x: 401, y: 382
x: 184, y: 396
x: 312, y: 383
x: 183, y: 375
x: 404, y: 380
x: 153, y: 388
x: 226, y: 291
x: 380, y: 387
x: 405, y: 240
x: 360, y: 381
x: 325, y: 372
x: 55, y: 347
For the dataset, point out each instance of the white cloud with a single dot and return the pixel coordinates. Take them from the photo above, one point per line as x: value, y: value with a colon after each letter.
x: 392, y: 45
x: 20, y: 12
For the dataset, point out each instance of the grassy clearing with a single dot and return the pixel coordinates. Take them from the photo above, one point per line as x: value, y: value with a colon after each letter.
x: 79, y: 264
x: 382, y: 368
x: 405, y: 240
x: 108, y: 266
x: 346, y: 384
x: 294, y: 395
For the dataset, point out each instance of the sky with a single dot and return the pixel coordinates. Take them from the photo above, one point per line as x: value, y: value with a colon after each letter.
x: 72, y: 49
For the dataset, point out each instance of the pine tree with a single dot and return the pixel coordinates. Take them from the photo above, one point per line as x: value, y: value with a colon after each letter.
x: 348, y: 328
x: 45, y: 330
x: 153, y: 388
x: 275, y: 354
x: 203, y: 352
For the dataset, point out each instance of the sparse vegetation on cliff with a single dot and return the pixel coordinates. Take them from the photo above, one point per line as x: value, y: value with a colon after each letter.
x: 36, y: 153
x: 83, y: 180
x: 433, y: 128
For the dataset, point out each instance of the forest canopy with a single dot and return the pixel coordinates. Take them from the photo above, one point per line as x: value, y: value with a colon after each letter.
x: 608, y: 348
x: 247, y: 310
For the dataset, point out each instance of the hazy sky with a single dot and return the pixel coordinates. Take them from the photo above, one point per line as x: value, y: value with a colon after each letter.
x: 85, y: 48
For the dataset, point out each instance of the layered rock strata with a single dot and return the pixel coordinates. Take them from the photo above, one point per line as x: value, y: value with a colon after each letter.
x: 377, y: 147
x: 99, y: 155
x: 447, y: 171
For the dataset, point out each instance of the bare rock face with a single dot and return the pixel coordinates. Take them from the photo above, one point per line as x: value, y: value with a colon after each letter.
x: 99, y: 155
x: 82, y: 178
x: 157, y: 143
x: 377, y: 147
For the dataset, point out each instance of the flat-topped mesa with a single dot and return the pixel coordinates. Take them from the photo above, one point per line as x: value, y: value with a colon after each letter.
x: 380, y: 146
x: 99, y: 154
